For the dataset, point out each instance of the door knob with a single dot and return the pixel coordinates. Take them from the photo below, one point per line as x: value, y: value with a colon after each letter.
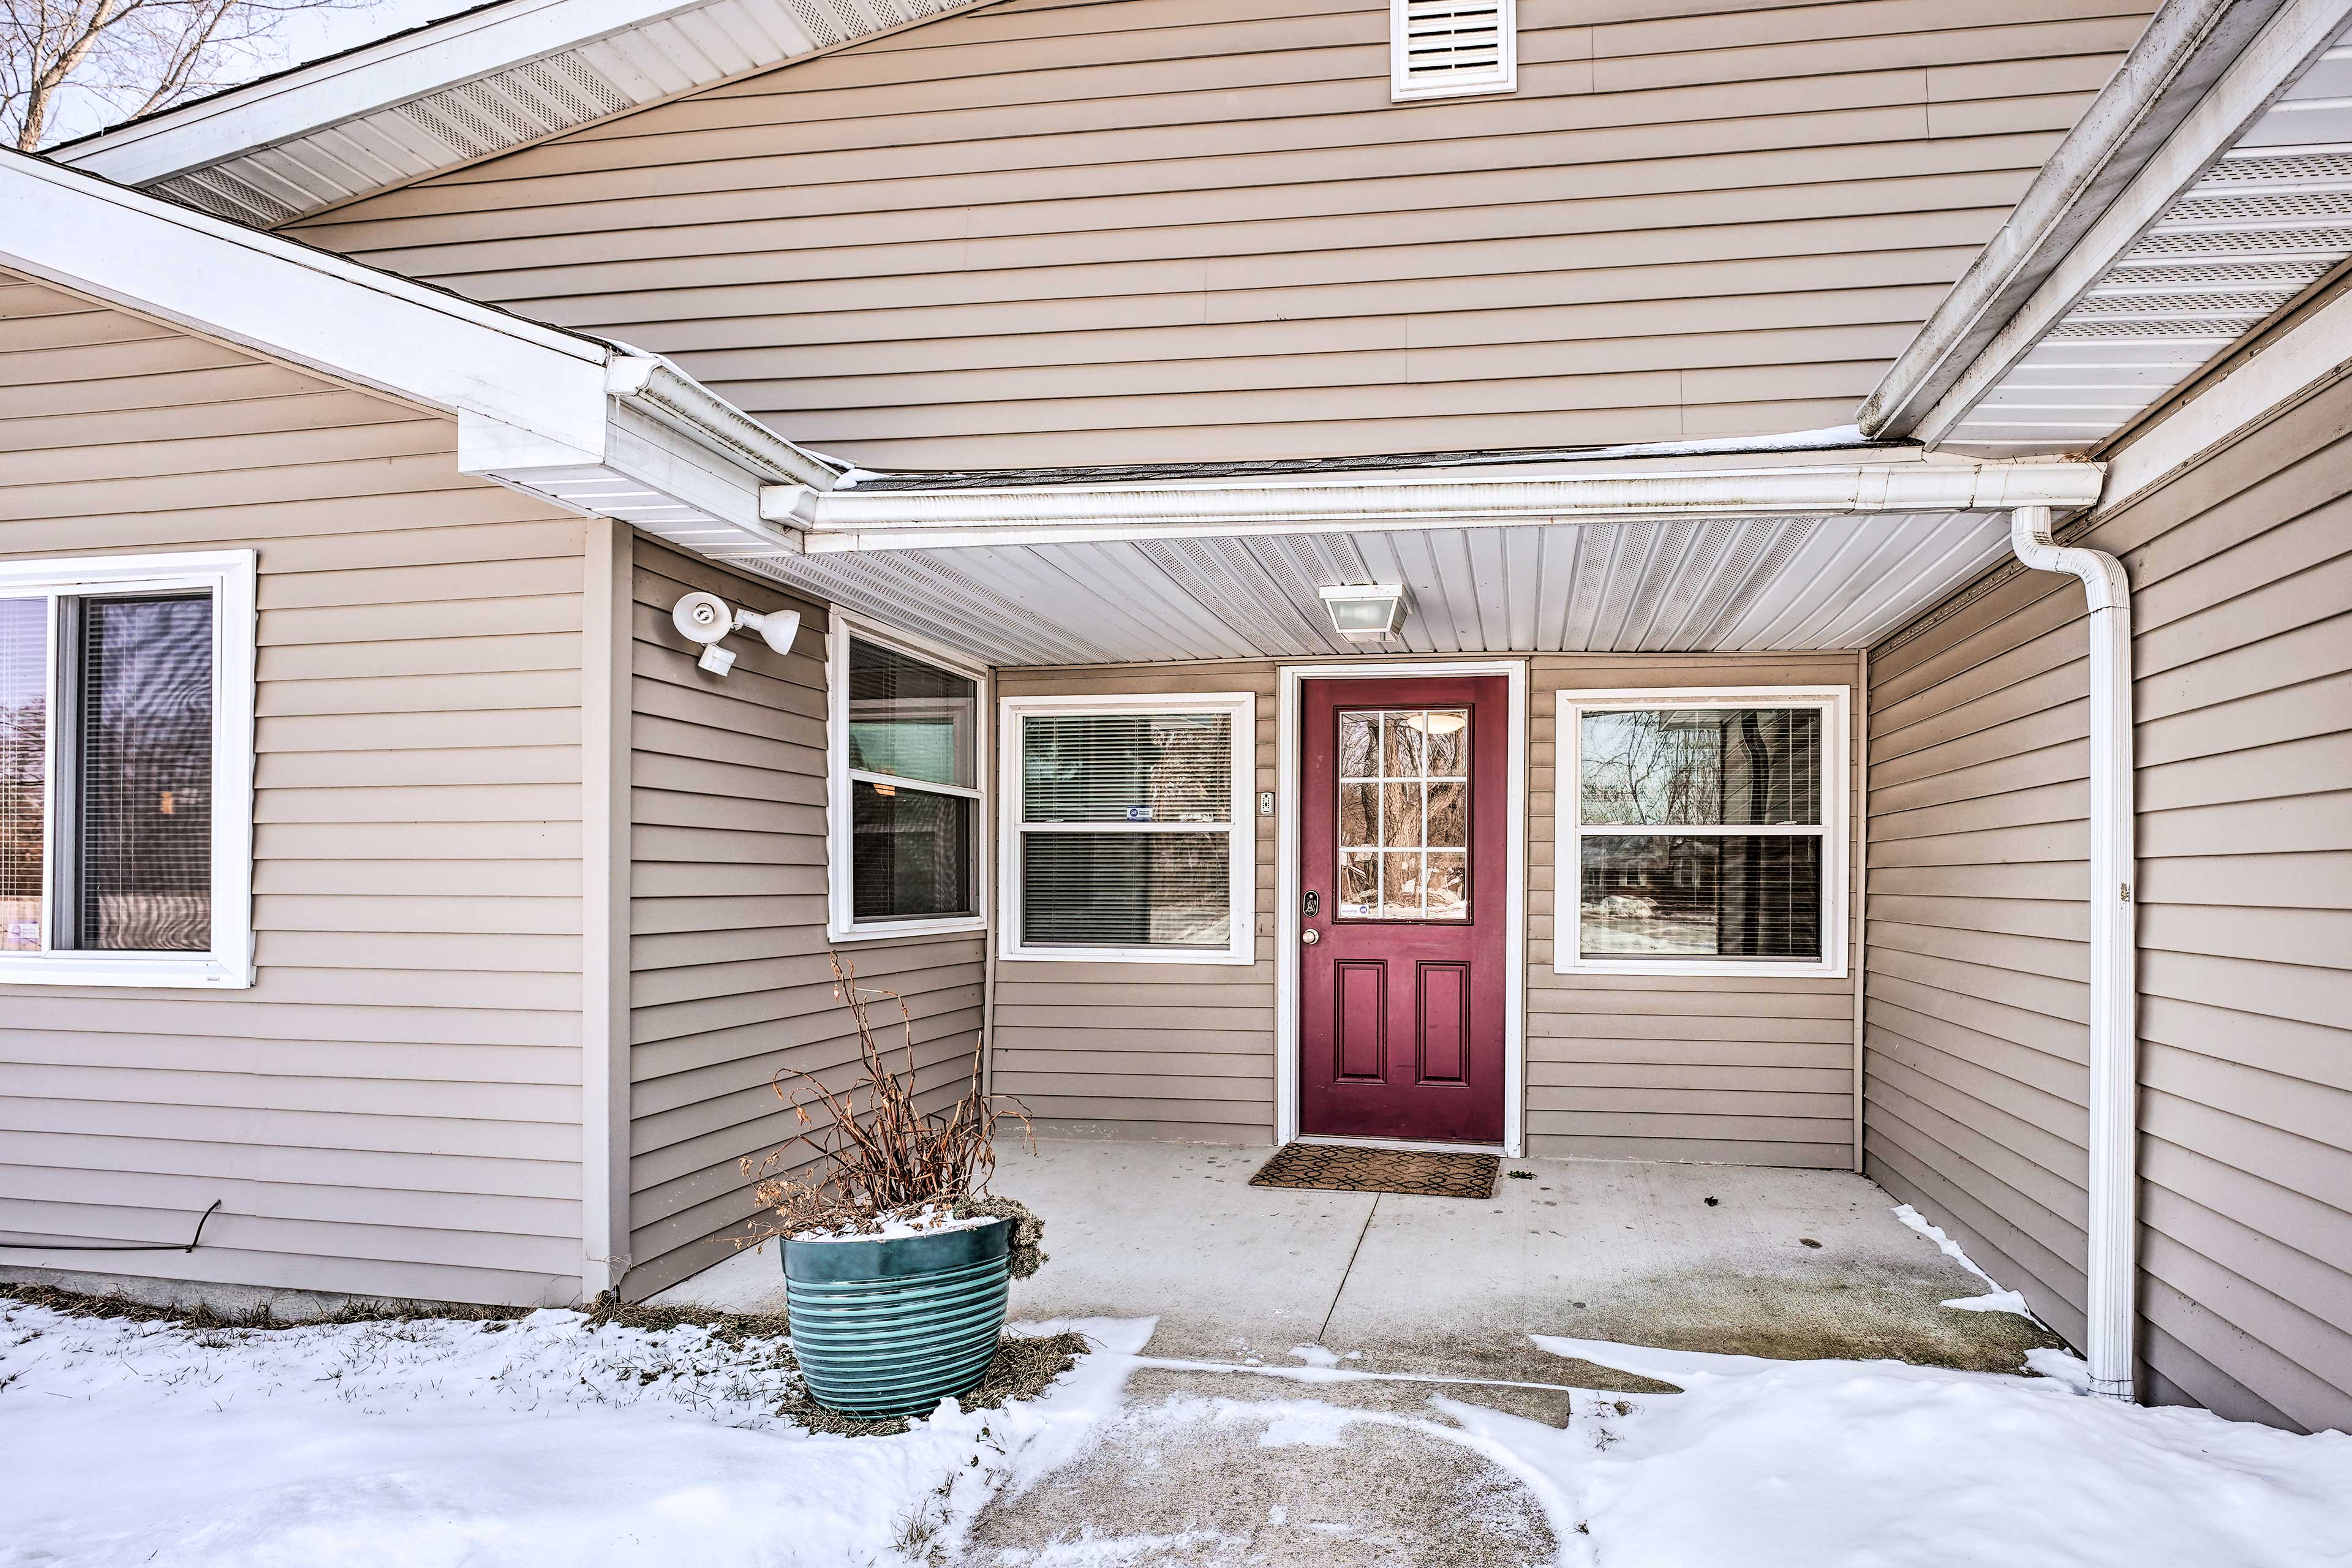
x: 1310, y: 936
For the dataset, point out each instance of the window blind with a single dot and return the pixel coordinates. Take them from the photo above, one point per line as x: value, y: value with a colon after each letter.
x: 1126, y: 831
x: 144, y: 764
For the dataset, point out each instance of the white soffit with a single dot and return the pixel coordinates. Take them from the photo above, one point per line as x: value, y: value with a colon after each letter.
x: 484, y: 81
x: 1834, y: 580
x: 2258, y: 228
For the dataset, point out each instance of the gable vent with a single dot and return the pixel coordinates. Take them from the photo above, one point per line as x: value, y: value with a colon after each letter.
x: 1439, y: 48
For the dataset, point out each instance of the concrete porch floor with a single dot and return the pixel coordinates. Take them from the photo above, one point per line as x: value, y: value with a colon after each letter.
x: 1213, y: 1459
x: 1781, y: 1263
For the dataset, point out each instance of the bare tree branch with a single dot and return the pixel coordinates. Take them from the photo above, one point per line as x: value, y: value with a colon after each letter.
x: 115, y: 60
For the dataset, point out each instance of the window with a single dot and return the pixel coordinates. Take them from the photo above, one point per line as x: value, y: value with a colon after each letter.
x: 1703, y: 833
x: 1445, y: 48
x: 1404, y: 814
x: 126, y: 769
x: 903, y: 790
x: 1127, y: 831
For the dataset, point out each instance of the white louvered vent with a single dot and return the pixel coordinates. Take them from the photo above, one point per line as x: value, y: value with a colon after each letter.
x: 1439, y: 48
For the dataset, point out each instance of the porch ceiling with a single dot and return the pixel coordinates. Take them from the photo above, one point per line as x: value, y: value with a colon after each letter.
x: 1679, y: 584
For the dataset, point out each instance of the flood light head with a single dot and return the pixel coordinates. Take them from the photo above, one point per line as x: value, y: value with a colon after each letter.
x: 1366, y: 612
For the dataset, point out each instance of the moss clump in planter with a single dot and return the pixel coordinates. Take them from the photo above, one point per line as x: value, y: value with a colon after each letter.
x: 1028, y: 1230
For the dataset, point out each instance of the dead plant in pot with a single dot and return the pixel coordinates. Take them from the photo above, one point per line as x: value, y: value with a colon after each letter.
x: 897, y: 1259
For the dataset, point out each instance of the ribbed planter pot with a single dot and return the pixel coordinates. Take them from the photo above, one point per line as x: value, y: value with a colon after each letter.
x: 892, y: 1326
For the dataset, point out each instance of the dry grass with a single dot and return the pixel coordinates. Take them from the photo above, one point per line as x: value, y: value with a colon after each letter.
x: 882, y: 1156
x: 1024, y: 1368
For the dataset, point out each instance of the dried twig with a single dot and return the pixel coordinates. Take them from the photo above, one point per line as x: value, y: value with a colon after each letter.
x: 888, y: 1154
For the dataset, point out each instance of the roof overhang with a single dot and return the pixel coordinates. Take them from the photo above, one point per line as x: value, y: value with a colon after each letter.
x: 2208, y: 188
x: 592, y: 426
x: 1671, y: 551
x: 469, y: 86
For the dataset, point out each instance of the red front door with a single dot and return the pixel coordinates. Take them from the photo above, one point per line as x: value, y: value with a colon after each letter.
x: 1403, y: 862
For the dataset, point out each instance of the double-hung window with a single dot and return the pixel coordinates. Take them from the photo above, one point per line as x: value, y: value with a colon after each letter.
x: 906, y: 807
x: 126, y: 769
x: 1702, y: 833
x: 1127, y: 828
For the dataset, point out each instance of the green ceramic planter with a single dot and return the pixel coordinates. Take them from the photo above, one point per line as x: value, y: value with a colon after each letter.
x: 892, y: 1327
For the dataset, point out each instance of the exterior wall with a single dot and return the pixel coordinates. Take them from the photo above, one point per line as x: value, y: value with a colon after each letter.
x: 730, y: 982
x: 1978, y: 988
x: 1188, y: 229
x: 1748, y: 1071
x: 1147, y: 1050
x: 394, y: 1108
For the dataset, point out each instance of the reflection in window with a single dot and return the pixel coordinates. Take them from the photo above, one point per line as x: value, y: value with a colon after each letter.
x: 144, y: 820
x: 913, y: 785
x: 1738, y: 872
x: 23, y: 770
x: 1404, y: 814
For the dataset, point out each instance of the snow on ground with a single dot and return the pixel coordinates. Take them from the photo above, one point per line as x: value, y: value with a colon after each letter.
x: 1810, y: 1463
x: 545, y: 1440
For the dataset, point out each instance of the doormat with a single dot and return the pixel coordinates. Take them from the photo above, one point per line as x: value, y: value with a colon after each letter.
x: 1343, y: 1168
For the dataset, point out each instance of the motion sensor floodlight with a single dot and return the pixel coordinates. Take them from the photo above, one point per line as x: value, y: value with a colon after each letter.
x: 705, y: 619
x: 702, y: 618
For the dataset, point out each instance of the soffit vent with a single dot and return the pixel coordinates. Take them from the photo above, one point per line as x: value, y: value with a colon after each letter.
x: 530, y: 100
x: 223, y: 195
x: 1439, y: 48
x: 2258, y: 229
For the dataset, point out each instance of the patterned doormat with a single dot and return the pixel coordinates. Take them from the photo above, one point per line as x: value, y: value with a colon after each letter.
x: 1343, y: 1168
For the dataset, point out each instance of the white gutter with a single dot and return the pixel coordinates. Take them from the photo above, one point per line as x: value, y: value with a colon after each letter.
x: 684, y: 404
x: 2186, y: 48
x: 2112, y: 1266
x: 863, y: 518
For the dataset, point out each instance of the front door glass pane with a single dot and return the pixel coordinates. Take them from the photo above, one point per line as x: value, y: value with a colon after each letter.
x: 1404, y: 816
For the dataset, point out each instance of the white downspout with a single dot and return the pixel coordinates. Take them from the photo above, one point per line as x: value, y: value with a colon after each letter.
x: 2113, y: 1266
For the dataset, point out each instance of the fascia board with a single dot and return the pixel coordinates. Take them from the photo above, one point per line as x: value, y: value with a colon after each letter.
x: 350, y: 86
x: 846, y: 520
x: 294, y: 303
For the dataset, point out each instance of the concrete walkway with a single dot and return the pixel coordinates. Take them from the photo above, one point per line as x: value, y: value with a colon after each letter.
x: 1224, y: 1463
x: 1779, y: 1263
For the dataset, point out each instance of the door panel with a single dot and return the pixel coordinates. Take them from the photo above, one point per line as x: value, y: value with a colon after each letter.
x: 1403, y: 856
x: 1362, y: 1020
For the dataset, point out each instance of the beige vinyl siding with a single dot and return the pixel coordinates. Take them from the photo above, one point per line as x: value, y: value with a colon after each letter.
x: 1147, y: 1050
x: 1738, y: 1069
x: 1978, y: 995
x: 729, y: 980
x: 394, y: 1108
x: 1754, y: 1071
x: 1168, y: 229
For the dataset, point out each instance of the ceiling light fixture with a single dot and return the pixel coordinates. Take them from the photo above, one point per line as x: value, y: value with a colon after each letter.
x: 1366, y: 612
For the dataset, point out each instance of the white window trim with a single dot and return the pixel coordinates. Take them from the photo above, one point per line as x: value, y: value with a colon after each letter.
x: 228, y: 575
x: 1506, y: 80
x: 1837, y: 765
x: 841, y: 922
x: 1241, y: 946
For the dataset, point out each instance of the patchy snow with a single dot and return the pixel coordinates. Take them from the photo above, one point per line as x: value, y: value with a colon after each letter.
x: 927, y: 1219
x: 1774, y: 1464
x: 1314, y: 1356
x: 1996, y: 1299
x: 542, y: 1440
